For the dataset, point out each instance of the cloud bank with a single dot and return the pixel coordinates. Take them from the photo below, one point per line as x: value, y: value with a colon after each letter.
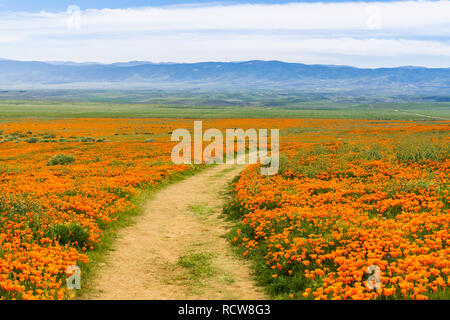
x: 361, y: 34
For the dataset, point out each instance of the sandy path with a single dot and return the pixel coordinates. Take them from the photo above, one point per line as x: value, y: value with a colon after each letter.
x: 182, y: 220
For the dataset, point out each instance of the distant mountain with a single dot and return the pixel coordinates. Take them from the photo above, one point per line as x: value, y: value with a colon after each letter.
x: 248, y: 74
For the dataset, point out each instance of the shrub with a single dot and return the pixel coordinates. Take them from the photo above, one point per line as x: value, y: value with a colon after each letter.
x: 87, y: 139
x: 9, y: 138
x: 32, y: 140
x: 61, y: 232
x: 61, y: 159
x: 73, y: 233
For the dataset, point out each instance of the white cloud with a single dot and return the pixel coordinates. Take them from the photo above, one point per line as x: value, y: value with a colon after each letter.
x: 303, y: 32
x: 404, y: 15
x: 10, y: 39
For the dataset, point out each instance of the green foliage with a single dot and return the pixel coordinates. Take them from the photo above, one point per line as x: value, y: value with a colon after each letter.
x: 87, y: 139
x: 49, y: 136
x: 17, y: 204
x: 61, y: 159
x: 416, y: 149
x: 355, y: 152
x: 73, y: 233
x: 334, y: 159
x: 198, y: 264
x: 32, y: 140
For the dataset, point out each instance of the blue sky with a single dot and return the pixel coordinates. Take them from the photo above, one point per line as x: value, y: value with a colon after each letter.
x: 364, y: 34
x: 55, y: 5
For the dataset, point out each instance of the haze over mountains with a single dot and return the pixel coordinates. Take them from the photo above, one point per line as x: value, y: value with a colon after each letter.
x: 227, y: 75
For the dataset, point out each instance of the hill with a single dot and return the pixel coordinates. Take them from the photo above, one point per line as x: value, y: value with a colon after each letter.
x: 227, y: 75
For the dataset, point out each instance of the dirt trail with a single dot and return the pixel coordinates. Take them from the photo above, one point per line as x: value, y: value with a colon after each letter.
x: 422, y: 115
x: 176, y: 249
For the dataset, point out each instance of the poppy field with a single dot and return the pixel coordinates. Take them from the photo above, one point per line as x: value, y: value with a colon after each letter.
x: 65, y: 184
x: 349, y: 194
x: 62, y: 185
x: 347, y: 199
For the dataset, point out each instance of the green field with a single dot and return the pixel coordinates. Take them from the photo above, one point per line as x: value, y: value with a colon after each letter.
x: 380, y: 111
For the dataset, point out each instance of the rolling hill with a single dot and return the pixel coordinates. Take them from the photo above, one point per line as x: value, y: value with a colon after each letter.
x: 248, y: 74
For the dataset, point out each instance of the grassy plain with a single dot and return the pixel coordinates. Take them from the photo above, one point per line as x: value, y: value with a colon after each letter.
x: 66, y: 109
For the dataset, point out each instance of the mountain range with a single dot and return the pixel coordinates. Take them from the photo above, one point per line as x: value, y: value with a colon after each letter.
x: 247, y: 74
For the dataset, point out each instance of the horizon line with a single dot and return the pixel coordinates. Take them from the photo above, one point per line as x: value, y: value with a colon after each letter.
x: 206, y: 61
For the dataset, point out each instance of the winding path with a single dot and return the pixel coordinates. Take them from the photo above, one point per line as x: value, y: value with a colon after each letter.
x: 177, y: 249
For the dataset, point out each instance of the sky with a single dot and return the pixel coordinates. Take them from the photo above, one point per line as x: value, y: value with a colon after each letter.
x: 358, y: 33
